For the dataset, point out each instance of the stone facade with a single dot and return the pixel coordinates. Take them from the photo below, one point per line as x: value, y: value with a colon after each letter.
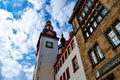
x: 99, y: 35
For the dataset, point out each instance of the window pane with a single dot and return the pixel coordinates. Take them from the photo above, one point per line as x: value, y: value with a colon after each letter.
x: 89, y: 4
x: 117, y: 27
x: 83, y: 14
x: 80, y: 18
x: 91, y: 29
x: 91, y: 19
x: 99, y: 7
x: 99, y: 52
x: 72, y: 44
x: 104, y: 12
x: 95, y: 13
x: 93, y: 57
x: 114, y: 39
x: 95, y: 24
x: 99, y: 18
x: 86, y: 9
x: 92, y: 0
x: 87, y: 34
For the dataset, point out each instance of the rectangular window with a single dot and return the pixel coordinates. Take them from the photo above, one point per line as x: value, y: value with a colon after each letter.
x: 93, y: 57
x: 83, y: 14
x: 67, y: 73
x: 64, y: 76
x: 69, y: 50
x: 96, y: 54
x: 63, y: 59
x: 99, y: 52
x: 97, y: 16
x: 75, y: 64
x: 72, y: 44
x: 89, y: 4
x: 61, y: 77
x: 60, y: 63
x: 66, y: 55
x: 117, y: 26
x: 49, y: 44
x: 113, y: 38
x: 86, y: 9
x: 110, y: 77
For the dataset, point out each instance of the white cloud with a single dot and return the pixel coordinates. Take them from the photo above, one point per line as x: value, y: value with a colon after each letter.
x: 11, y: 70
x: 37, y: 3
x: 14, y: 46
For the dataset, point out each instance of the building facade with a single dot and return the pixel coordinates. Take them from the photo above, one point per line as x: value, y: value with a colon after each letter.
x: 96, y: 24
x: 69, y: 65
x: 47, y: 49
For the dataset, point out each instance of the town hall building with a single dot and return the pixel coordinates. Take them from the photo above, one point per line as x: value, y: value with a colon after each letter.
x: 57, y: 62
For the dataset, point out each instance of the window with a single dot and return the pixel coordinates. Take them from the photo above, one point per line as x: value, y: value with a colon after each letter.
x: 89, y: 3
x: 69, y: 50
x: 72, y: 44
x: 67, y: 73
x: 49, y: 44
x: 75, y: 64
x: 113, y: 38
x: 60, y: 77
x: 66, y: 55
x: 96, y: 54
x: 94, y: 20
x: 60, y: 63
x: 117, y: 26
x: 64, y: 76
x: 110, y: 77
x: 87, y: 8
x: 63, y: 59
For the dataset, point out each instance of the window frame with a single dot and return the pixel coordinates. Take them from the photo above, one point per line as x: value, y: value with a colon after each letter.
x: 94, y: 20
x: 75, y: 64
x: 73, y: 44
x: 48, y: 46
x: 67, y: 74
x: 97, y: 56
x: 110, y: 40
x: 114, y: 25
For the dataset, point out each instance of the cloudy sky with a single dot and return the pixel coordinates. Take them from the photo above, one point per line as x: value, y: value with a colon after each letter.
x: 21, y: 21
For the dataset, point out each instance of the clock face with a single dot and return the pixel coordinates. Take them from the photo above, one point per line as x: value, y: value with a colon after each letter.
x: 49, y: 44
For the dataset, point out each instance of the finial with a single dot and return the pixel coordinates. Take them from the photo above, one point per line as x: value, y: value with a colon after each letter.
x: 62, y: 39
x: 48, y: 22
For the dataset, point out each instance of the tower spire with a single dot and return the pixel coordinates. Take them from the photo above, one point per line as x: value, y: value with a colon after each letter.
x: 62, y: 40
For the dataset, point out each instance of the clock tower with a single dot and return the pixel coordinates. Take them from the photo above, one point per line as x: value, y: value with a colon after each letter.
x: 47, y: 49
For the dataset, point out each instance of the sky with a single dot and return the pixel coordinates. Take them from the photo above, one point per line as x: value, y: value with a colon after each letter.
x: 21, y: 22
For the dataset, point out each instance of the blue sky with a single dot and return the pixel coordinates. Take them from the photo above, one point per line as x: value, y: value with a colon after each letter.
x: 21, y: 22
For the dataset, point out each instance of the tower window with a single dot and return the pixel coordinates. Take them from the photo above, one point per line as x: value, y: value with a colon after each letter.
x: 49, y: 44
x: 96, y: 54
x: 75, y: 64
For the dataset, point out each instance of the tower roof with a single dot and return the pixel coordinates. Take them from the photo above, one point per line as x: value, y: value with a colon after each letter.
x: 48, y: 29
